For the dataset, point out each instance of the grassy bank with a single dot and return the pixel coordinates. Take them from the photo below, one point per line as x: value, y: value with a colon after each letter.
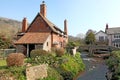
x: 3, y: 62
x: 61, y: 67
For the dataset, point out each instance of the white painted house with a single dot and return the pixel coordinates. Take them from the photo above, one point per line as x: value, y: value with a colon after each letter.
x: 101, y: 37
x: 113, y: 36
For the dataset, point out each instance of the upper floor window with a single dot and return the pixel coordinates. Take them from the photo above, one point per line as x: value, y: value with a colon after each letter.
x: 117, y: 36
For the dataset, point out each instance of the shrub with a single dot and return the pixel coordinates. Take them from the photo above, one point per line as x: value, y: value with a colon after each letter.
x: 13, y: 73
x: 15, y: 59
x: 113, y: 60
x: 53, y: 75
x: 38, y: 52
x: 71, y: 66
x: 67, y: 65
x: 67, y: 75
x: 59, y: 52
x: 41, y: 56
x: 114, y: 64
x: 18, y: 72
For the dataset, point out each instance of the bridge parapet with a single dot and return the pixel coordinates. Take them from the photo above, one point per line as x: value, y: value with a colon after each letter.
x: 97, y: 47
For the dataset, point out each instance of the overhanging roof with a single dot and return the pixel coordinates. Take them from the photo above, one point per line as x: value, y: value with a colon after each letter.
x: 33, y: 38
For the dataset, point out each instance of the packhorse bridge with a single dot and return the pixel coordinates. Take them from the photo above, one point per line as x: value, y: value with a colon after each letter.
x: 97, y: 48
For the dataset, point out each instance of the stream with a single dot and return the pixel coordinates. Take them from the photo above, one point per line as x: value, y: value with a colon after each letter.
x: 95, y: 68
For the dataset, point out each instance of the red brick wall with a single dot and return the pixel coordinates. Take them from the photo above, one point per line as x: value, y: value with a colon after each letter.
x: 24, y: 25
x: 59, y: 39
x: 43, y: 9
x: 39, y: 25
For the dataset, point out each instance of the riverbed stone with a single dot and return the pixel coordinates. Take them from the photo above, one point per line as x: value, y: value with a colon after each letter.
x: 36, y: 72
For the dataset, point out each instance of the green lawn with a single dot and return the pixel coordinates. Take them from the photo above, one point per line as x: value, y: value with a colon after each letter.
x: 3, y: 63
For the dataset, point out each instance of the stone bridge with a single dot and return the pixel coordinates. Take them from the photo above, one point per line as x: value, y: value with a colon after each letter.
x: 96, y: 48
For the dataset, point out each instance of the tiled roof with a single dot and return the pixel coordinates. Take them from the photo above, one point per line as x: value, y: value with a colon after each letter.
x: 100, y: 31
x: 33, y: 38
x: 53, y: 27
x: 113, y: 30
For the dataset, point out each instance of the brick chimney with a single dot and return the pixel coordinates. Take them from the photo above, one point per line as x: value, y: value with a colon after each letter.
x: 24, y: 25
x: 65, y: 29
x: 106, y: 26
x: 43, y: 9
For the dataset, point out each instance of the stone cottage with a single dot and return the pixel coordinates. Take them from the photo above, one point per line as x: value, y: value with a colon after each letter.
x: 41, y: 34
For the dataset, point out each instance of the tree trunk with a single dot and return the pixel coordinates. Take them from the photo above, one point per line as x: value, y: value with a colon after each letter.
x: 90, y: 50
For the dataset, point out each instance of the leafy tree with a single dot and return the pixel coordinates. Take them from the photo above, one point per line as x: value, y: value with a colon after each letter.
x: 71, y: 44
x: 75, y: 41
x: 89, y: 31
x: 4, y: 42
x: 90, y: 38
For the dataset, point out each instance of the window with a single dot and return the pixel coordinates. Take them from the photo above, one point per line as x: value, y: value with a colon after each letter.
x: 101, y: 38
x: 114, y: 36
x: 117, y: 45
x: 106, y: 38
x: 114, y: 44
x: 117, y: 36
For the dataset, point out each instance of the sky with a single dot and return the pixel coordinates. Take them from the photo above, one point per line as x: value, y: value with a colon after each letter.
x: 81, y: 15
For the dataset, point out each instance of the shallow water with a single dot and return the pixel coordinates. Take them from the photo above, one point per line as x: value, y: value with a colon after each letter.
x: 94, y: 70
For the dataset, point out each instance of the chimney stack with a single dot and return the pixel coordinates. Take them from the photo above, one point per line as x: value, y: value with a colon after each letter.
x: 106, y: 26
x: 65, y: 29
x: 43, y: 9
x: 24, y: 25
